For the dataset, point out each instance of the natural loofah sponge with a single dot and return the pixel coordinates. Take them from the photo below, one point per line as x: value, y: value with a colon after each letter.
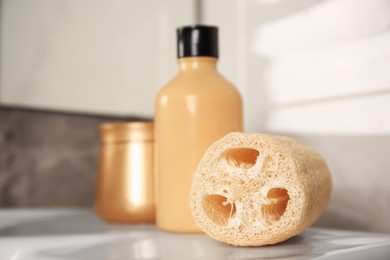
x: 257, y: 189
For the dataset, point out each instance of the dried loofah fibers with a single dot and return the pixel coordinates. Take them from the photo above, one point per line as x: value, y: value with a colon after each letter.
x: 257, y: 189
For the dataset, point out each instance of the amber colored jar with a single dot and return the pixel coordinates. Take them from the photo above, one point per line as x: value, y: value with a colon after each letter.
x: 125, y: 185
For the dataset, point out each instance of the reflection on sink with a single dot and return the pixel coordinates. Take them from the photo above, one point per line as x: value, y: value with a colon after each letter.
x: 152, y: 244
x: 66, y: 225
x: 80, y: 234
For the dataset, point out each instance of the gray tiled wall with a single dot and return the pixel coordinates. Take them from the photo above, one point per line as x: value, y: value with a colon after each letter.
x: 48, y: 159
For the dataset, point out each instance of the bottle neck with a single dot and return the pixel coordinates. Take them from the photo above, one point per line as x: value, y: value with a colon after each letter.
x: 197, y: 63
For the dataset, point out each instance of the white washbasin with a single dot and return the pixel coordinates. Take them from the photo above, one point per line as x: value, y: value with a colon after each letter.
x: 80, y: 234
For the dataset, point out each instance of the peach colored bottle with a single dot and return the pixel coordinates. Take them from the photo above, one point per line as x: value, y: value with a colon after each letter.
x: 195, y: 109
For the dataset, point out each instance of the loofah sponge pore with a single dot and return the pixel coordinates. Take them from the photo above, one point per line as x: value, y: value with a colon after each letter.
x: 257, y: 189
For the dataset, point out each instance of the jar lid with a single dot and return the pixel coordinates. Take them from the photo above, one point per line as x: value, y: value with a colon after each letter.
x: 126, y: 132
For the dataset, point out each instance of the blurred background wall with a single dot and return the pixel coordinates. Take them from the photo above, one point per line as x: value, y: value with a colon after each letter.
x: 316, y: 70
x: 48, y: 159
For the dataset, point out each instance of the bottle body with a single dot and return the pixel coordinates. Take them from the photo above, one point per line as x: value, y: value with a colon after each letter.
x: 195, y: 109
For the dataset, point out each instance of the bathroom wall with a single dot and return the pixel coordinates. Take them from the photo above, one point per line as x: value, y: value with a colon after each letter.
x: 48, y: 159
x: 90, y: 56
x: 84, y: 57
x: 318, y: 71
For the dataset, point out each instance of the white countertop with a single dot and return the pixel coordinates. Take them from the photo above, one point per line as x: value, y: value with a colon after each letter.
x: 80, y: 234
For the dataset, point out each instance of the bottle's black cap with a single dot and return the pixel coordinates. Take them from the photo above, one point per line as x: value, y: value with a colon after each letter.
x: 197, y: 41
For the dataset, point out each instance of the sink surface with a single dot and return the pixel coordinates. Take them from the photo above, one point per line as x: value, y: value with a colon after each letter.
x: 80, y: 234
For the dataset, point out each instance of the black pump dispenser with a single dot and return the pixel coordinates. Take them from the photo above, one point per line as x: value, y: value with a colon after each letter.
x: 197, y: 41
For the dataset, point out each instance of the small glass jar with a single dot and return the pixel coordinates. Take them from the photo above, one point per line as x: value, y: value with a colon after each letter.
x: 125, y: 184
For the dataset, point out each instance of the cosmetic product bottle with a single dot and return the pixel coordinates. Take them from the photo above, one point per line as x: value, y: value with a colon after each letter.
x: 197, y: 107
